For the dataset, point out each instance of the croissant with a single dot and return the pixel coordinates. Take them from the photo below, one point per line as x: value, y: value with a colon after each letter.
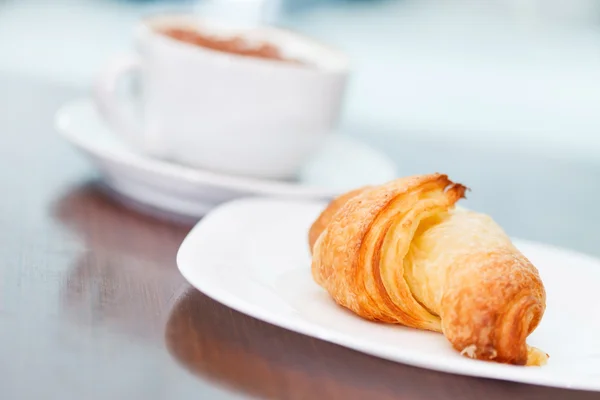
x: 404, y: 253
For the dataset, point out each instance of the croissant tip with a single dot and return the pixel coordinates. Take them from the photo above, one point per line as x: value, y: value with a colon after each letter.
x: 465, y: 189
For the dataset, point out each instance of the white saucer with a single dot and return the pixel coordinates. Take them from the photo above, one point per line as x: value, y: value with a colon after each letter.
x: 252, y: 255
x: 341, y: 164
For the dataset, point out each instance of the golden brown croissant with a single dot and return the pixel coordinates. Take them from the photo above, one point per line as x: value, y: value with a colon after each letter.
x: 403, y: 253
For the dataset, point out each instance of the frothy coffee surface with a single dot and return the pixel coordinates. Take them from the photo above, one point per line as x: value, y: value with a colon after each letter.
x: 234, y: 45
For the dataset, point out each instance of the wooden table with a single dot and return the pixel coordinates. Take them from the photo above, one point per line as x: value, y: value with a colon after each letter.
x: 93, y: 307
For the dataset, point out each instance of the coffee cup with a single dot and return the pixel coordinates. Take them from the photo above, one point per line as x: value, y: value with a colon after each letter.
x: 215, y: 96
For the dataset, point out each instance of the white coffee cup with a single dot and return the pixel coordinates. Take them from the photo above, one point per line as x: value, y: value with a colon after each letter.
x: 222, y: 111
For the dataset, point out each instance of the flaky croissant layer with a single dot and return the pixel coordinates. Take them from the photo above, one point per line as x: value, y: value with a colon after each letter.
x: 403, y: 253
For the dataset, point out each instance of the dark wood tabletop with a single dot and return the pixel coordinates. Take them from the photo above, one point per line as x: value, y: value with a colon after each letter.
x: 92, y: 305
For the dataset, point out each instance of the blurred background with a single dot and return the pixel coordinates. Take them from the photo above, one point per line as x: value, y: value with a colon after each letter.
x: 516, y: 74
x: 497, y: 66
x: 521, y: 74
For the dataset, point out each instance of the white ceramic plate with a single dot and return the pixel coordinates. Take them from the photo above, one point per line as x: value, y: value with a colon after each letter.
x: 252, y: 255
x: 342, y: 163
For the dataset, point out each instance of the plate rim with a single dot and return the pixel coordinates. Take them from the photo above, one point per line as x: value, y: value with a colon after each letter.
x: 310, y: 329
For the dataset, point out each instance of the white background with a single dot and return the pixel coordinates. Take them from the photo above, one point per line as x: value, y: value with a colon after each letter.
x: 517, y: 74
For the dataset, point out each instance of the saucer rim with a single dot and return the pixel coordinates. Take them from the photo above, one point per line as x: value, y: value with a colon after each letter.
x: 132, y: 159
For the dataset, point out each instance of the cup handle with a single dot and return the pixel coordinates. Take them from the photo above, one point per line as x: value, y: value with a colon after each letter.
x: 108, y: 100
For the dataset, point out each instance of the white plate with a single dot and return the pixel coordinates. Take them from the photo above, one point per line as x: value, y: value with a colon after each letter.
x: 341, y: 163
x: 252, y: 255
